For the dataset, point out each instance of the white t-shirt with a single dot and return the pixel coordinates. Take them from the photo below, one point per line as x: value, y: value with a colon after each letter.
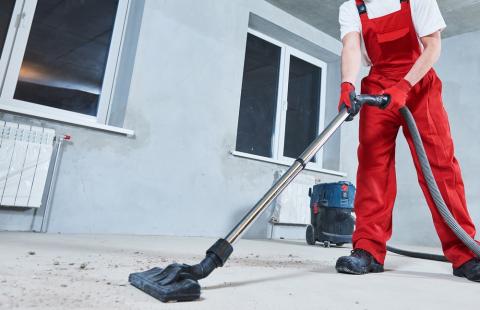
x: 426, y: 15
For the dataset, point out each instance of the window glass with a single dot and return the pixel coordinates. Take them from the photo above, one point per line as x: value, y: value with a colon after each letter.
x: 259, y: 97
x: 66, y: 54
x: 6, y: 10
x: 303, y: 111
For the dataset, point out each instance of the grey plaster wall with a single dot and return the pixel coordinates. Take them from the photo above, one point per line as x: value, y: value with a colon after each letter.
x: 177, y: 176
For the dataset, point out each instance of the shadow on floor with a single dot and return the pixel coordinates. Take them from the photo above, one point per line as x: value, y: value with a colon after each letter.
x: 426, y: 275
x: 259, y: 280
x: 304, y: 244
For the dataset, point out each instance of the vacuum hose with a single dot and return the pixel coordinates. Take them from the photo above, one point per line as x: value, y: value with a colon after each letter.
x: 436, y: 196
x: 205, y: 267
x: 216, y: 257
x: 428, y: 256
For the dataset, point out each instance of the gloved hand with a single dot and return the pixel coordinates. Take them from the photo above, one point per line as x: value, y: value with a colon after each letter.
x: 398, y: 95
x: 347, y: 94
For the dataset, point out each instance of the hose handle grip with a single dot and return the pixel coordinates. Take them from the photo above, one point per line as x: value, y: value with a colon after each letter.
x: 380, y: 101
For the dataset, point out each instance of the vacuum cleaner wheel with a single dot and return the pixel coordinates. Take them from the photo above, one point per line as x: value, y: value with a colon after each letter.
x: 310, y: 235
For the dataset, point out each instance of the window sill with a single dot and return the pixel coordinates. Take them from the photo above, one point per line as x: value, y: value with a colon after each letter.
x: 309, y: 167
x: 102, y: 127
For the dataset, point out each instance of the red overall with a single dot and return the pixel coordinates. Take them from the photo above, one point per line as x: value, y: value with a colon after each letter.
x: 393, y: 47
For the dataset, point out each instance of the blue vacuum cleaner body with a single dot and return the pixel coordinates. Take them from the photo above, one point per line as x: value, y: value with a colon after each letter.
x: 331, y: 210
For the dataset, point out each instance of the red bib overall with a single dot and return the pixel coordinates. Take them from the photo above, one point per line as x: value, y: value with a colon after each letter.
x: 393, y: 47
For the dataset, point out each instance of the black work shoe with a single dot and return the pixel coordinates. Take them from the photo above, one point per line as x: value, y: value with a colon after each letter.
x: 359, y: 262
x: 469, y: 270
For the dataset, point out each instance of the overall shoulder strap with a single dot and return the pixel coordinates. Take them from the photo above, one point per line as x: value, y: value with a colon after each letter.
x: 405, y: 4
x: 361, y: 7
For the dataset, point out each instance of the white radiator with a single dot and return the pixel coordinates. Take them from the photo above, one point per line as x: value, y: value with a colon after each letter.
x: 25, y: 156
x: 293, y: 205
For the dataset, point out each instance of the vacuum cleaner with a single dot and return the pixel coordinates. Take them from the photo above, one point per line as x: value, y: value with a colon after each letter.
x: 179, y: 282
x: 331, y: 214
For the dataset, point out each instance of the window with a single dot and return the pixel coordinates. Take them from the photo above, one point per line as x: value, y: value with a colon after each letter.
x: 6, y: 11
x: 259, y: 97
x: 8, y: 8
x: 63, y: 56
x: 282, y: 102
x: 303, y: 112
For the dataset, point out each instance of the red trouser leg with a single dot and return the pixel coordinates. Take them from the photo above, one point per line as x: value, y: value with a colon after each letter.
x: 432, y: 122
x: 376, y: 180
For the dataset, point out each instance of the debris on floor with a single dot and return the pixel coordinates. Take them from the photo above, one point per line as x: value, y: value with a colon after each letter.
x: 91, y: 271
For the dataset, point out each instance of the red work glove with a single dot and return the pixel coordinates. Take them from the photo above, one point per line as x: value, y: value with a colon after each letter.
x: 347, y: 93
x: 398, y: 95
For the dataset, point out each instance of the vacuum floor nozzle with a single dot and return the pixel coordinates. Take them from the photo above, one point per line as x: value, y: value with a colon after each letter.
x: 166, y: 285
x: 179, y: 282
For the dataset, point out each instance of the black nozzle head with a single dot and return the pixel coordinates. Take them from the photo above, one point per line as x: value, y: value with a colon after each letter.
x: 170, y: 284
x: 179, y: 282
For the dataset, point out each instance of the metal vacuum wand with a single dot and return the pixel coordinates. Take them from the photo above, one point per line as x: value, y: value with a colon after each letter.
x: 298, y: 165
x: 180, y: 281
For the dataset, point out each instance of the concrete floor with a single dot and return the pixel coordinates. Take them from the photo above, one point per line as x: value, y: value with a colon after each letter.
x: 90, y: 272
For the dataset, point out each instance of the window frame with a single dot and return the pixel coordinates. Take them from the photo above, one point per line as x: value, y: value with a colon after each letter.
x: 278, y: 136
x: 9, y: 40
x: 17, y: 38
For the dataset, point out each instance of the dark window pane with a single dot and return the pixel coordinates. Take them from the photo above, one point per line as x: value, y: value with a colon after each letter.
x: 259, y: 97
x: 6, y: 10
x: 66, y: 54
x: 303, y: 106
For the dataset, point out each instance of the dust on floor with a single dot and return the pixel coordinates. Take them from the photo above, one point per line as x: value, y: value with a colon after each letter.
x: 51, y: 271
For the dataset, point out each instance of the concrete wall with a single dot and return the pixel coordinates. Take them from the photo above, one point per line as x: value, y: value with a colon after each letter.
x: 459, y: 69
x: 177, y: 177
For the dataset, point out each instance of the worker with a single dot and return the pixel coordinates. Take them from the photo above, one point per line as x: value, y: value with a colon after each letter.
x: 400, y: 40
